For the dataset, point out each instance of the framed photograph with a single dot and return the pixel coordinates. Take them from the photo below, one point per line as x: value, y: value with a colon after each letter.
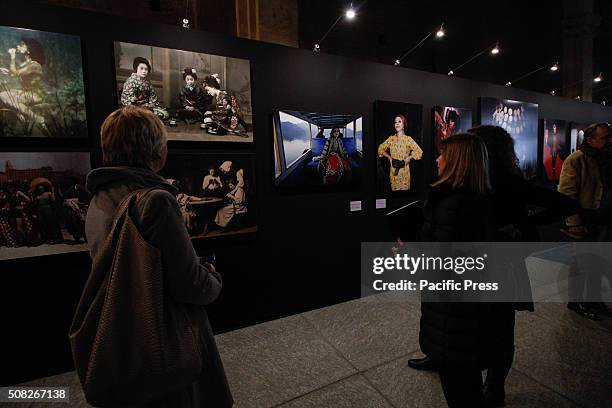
x: 520, y: 119
x: 317, y: 149
x: 42, y: 94
x: 576, y: 135
x: 43, y: 203
x: 556, y: 148
x: 199, y: 97
x: 449, y: 120
x: 399, y: 147
x: 216, y: 192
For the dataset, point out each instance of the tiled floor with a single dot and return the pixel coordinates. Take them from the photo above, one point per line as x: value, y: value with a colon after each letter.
x: 354, y: 354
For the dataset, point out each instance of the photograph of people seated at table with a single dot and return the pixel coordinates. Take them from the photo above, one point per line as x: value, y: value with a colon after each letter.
x: 317, y: 149
x: 216, y: 193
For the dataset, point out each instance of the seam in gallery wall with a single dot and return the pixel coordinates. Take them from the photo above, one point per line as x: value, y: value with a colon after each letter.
x: 237, y: 10
x: 257, y: 34
x: 248, y: 16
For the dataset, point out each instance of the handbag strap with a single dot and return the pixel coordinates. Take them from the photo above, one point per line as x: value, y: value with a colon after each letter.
x: 123, y: 207
x: 124, y: 204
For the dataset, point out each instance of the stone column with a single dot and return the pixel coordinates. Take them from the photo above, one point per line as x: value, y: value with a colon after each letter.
x: 274, y: 21
x: 579, y: 25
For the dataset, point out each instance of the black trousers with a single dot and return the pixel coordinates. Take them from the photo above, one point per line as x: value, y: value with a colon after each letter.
x: 463, y: 386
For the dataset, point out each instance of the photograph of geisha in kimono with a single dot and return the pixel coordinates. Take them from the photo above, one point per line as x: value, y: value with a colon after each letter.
x: 41, y: 85
x: 216, y: 192
x: 399, y: 146
x: 43, y: 203
x: 199, y: 97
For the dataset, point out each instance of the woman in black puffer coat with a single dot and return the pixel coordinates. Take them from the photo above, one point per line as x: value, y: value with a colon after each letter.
x: 461, y: 339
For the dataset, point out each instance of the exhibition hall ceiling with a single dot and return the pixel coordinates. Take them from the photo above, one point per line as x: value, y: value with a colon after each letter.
x: 530, y: 35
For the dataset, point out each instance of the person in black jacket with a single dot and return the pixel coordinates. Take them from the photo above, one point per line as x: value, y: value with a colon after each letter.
x: 461, y: 339
x: 515, y: 222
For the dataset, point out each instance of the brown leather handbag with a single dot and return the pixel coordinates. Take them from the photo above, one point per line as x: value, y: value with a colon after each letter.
x: 130, y: 342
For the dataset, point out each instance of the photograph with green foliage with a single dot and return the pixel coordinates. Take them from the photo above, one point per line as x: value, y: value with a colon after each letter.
x: 41, y: 85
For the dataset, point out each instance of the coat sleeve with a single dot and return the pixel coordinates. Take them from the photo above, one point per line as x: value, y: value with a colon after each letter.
x: 161, y: 224
x: 446, y: 221
x: 569, y: 184
x: 555, y: 205
x: 569, y: 180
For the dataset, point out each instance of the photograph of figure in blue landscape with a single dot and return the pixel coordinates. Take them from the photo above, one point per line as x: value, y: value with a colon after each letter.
x: 317, y: 149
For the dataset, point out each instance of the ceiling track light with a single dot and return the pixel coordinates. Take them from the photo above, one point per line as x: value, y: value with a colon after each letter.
x: 554, y: 68
x: 438, y: 31
x: 491, y: 48
x: 349, y: 14
x: 598, y: 78
x: 185, y: 22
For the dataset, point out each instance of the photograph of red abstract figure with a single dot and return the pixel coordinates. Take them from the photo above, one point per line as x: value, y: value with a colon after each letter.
x: 449, y: 120
x: 556, y: 148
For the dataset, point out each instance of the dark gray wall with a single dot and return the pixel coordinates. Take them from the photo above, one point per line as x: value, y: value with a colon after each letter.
x: 297, y: 260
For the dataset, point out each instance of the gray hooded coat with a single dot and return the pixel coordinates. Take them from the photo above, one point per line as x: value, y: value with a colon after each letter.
x: 159, y: 221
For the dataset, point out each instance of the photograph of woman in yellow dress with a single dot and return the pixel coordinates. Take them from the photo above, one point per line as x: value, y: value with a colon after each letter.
x: 399, y: 150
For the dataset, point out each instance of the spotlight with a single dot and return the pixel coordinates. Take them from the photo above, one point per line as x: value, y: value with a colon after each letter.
x: 598, y: 78
x: 316, y: 48
x: 553, y: 93
x: 440, y: 33
x: 508, y: 83
x: 397, y: 63
x: 554, y: 67
x: 451, y: 73
x: 578, y: 98
x: 350, y: 14
x: 495, y: 50
x: 185, y: 23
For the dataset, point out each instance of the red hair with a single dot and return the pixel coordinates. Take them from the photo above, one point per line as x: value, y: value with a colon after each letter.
x: 404, y: 121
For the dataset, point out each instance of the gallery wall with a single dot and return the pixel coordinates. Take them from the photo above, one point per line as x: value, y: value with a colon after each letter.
x: 306, y: 251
